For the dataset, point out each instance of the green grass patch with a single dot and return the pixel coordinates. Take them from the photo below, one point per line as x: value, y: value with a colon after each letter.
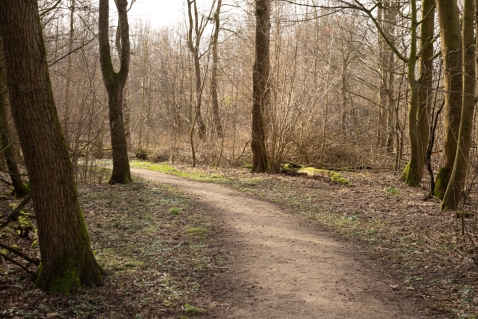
x: 390, y: 190
x: 165, y: 168
x: 193, y: 310
x: 197, y: 230
x: 175, y: 211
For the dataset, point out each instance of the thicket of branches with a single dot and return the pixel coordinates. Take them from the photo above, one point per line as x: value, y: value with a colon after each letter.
x: 339, y: 82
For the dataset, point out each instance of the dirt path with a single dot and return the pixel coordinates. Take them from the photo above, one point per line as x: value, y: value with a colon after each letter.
x: 281, y: 267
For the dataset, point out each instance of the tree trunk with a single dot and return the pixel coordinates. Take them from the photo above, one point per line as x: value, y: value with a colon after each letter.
x: 67, y: 259
x: 426, y: 76
x: 344, y: 102
x: 115, y: 83
x: 194, y: 49
x: 126, y: 108
x: 460, y: 167
x: 391, y: 17
x: 412, y: 174
x: 19, y: 187
x: 67, y: 116
x: 382, y: 88
x: 450, y: 34
x: 391, y: 104
x: 214, y: 66
x: 260, y: 89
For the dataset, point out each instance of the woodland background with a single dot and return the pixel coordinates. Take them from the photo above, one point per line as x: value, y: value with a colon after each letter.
x: 333, y: 86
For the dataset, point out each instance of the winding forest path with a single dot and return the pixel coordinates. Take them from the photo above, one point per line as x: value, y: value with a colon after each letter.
x: 282, y: 267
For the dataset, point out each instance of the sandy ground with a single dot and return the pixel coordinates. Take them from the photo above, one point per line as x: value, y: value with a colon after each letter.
x: 281, y: 266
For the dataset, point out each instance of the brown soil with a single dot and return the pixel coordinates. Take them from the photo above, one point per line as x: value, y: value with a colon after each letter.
x: 264, y: 246
x: 282, y: 266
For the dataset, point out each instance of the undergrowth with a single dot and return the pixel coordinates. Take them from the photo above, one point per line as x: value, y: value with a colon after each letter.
x: 154, y: 245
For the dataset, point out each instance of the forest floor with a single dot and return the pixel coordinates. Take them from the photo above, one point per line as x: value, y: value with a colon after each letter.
x: 260, y: 246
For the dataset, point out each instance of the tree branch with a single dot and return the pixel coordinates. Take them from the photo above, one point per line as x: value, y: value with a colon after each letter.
x: 16, y: 252
x: 15, y: 263
x: 16, y: 211
x: 50, y: 9
x: 73, y: 51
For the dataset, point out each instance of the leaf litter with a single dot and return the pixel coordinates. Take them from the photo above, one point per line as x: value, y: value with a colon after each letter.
x: 157, y: 265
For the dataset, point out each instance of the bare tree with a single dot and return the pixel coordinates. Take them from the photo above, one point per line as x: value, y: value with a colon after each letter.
x: 71, y: 37
x: 115, y: 82
x: 67, y: 259
x: 7, y: 145
x: 196, y: 29
x: 425, y: 80
x: 456, y: 184
x: 214, y: 69
x: 450, y: 35
x: 260, y: 83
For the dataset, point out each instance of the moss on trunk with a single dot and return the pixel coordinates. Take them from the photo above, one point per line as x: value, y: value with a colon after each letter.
x: 441, y: 183
x: 67, y: 259
x: 410, y: 174
x: 76, y: 267
x: 67, y: 278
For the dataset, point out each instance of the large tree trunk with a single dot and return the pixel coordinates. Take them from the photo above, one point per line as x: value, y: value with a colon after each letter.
x: 67, y: 259
x: 260, y: 82
x: 115, y: 83
x: 426, y: 77
x: 19, y: 187
x: 460, y: 167
x: 450, y: 35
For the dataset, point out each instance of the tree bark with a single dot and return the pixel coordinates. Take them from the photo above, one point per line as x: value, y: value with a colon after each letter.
x: 214, y: 67
x: 450, y: 34
x: 412, y: 174
x: 382, y: 89
x: 391, y: 16
x: 67, y: 258
x: 458, y: 175
x: 260, y: 89
x: 198, y: 28
x: 115, y: 83
x: 389, y: 58
x: 425, y: 80
x: 66, y: 118
x: 19, y: 187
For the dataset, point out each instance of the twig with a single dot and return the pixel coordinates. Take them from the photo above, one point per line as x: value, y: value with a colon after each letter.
x: 16, y: 211
x: 16, y: 263
x: 5, y: 182
x: 50, y: 9
x: 217, y: 267
x: 15, y: 251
